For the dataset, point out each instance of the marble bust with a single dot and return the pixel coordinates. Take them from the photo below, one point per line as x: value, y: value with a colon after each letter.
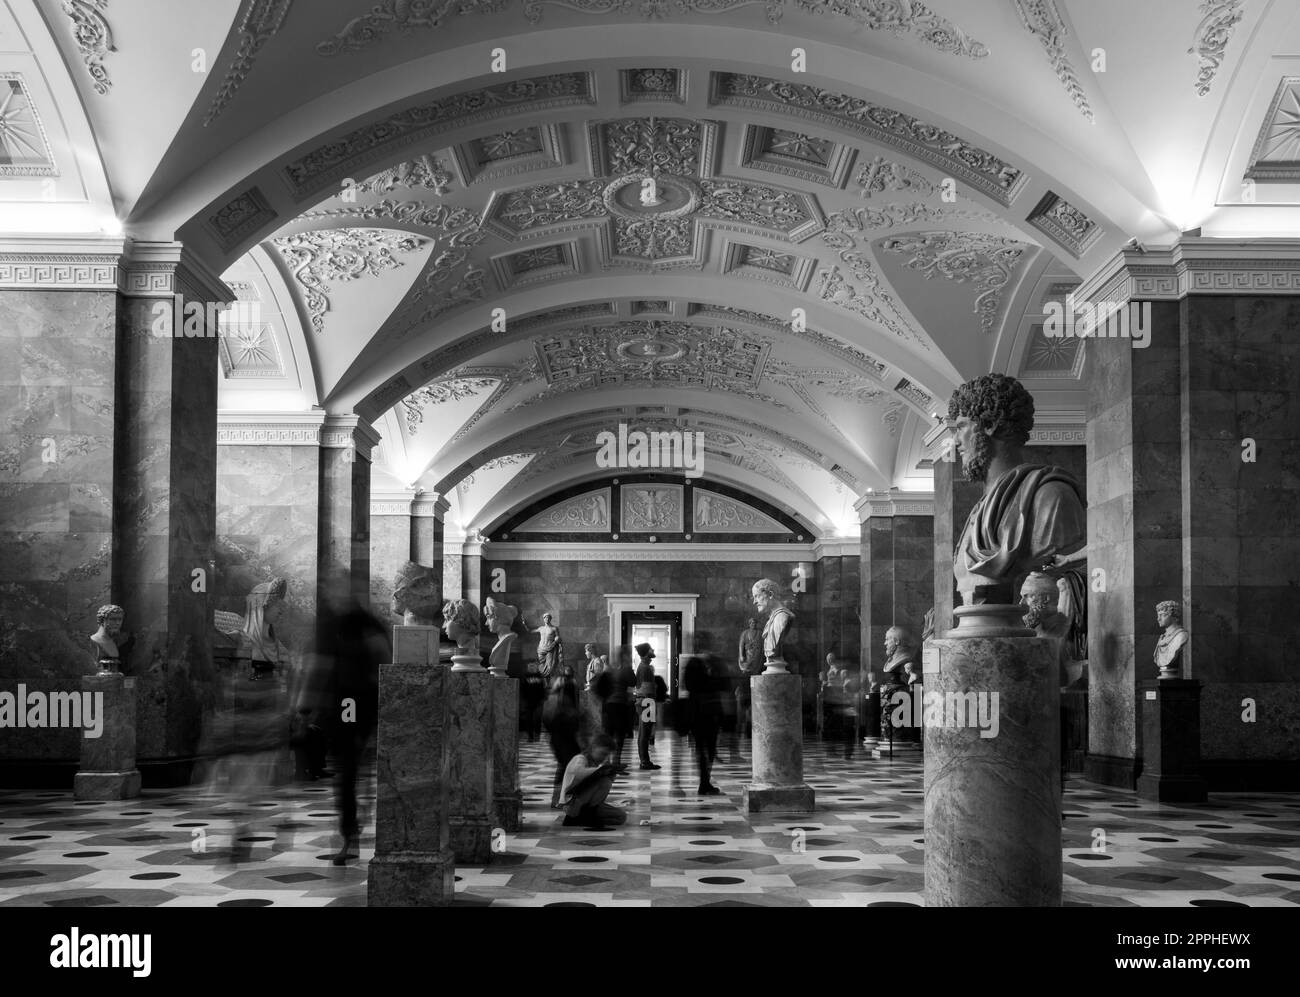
x: 1028, y: 514
x: 1169, y: 649
x: 1042, y: 596
x: 900, y: 653
x: 461, y: 622
x: 499, y: 618
x: 263, y: 608
x: 767, y: 599
x: 105, y: 639
x: 416, y: 595
x: 750, y: 649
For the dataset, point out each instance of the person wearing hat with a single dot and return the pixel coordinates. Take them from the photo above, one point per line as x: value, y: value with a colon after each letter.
x: 647, y: 708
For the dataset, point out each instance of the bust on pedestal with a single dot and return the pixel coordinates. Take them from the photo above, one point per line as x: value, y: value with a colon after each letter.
x: 470, y: 773
x: 993, y: 795
x: 417, y: 594
x: 107, y: 770
x: 900, y: 674
x: 1171, y: 719
x: 776, y: 699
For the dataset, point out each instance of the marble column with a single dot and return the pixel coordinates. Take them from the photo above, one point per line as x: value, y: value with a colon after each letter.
x: 778, y: 786
x: 992, y: 780
x: 58, y: 362
x: 268, y: 484
x: 452, y: 568
x: 391, y: 545
x: 471, y: 696
x: 428, y: 519
x: 897, y: 568
x: 108, y: 769
x: 413, y: 865
x: 343, y: 538
x: 164, y: 497
x: 472, y: 571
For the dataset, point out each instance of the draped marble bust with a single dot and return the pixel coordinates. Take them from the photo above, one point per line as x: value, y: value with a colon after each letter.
x: 767, y: 599
x: 1028, y: 513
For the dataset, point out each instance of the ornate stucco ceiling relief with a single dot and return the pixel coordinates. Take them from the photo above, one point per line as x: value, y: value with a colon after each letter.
x: 1211, y: 37
x: 444, y: 390
x: 93, y: 36
x: 950, y: 153
x: 1044, y: 21
x: 866, y: 294
x: 24, y: 148
x: 850, y: 355
x: 900, y: 17
x: 258, y: 24
x: 317, y: 257
x: 987, y: 261
x: 1065, y: 224
x: 328, y: 164
x: 421, y: 173
x: 811, y: 158
x: 1275, y: 156
x: 403, y: 17
x: 881, y: 174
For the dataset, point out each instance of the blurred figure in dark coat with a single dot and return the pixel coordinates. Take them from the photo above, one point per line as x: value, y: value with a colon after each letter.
x: 704, y: 681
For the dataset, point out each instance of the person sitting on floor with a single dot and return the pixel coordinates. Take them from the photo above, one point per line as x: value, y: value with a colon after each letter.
x: 587, y: 781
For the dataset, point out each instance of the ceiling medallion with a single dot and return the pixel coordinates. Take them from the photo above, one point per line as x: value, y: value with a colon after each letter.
x: 640, y: 196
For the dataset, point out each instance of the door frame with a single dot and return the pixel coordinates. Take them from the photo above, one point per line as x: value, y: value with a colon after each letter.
x: 639, y: 602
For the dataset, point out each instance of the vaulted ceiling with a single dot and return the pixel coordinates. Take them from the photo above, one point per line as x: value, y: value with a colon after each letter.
x: 498, y: 228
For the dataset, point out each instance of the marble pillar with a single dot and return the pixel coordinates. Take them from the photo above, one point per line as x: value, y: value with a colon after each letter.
x: 471, y: 696
x: 343, y: 536
x: 508, y: 798
x: 413, y: 865
x: 391, y: 545
x: 992, y: 779
x: 778, y: 786
x: 164, y: 498
x: 428, y: 519
x: 108, y: 769
x: 472, y: 572
x: 1171, y: 741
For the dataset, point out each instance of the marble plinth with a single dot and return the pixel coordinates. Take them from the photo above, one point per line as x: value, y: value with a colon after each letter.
x: 416, y: 645
x: 1171, y: 741
x: 470, y: 768
x: 992, y: 803
x: 413, y: 863
x: 108, y: 769
x: 507, y: 799
x: 777, y: 703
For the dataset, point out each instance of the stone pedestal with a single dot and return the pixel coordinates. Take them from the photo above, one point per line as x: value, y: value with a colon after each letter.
x: 777, y: 703
x: 108, y: 769
x: 416, y: 645
x: 470, y: 795
x: 508, y: 799
x: 413, y: 864
x: 1171, y: 741
x: 992, y: 803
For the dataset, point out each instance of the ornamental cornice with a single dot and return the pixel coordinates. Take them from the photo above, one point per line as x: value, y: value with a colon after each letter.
x: 1196, y: 266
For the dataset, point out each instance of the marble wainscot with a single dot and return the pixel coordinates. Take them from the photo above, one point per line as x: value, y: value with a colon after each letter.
x: 414, y: 865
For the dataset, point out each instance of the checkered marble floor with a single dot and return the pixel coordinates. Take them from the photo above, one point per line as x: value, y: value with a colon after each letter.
x: 862, y: 847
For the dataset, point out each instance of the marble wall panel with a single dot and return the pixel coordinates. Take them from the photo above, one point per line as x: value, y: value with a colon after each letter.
x: 57, y: 370
x: 390, y: 548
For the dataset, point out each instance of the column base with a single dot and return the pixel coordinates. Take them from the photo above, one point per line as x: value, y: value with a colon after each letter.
x: 1172, y: 788
x: 507, y: 811
x: 412, y: 879
x: 106, y: 785
x: 758, y: 798
x: 471, y: 840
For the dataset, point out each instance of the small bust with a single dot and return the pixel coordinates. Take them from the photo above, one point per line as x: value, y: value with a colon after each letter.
x: 416, y: 594
x: 900, y: 651
x: 1169, y: 649
x: 105, y: 639
x: 499, y: 617
x: 461, y: 622
x: 767, y: 599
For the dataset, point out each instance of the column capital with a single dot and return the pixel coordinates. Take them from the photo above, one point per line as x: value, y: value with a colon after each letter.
x: 391, y: 502
x: 60, y: 263
x: 161, y: 269
x: 889, y: 504
x: 349, y: 432
x: 270, y: 428
x: 430, y: 505
x: 1196, y: 266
